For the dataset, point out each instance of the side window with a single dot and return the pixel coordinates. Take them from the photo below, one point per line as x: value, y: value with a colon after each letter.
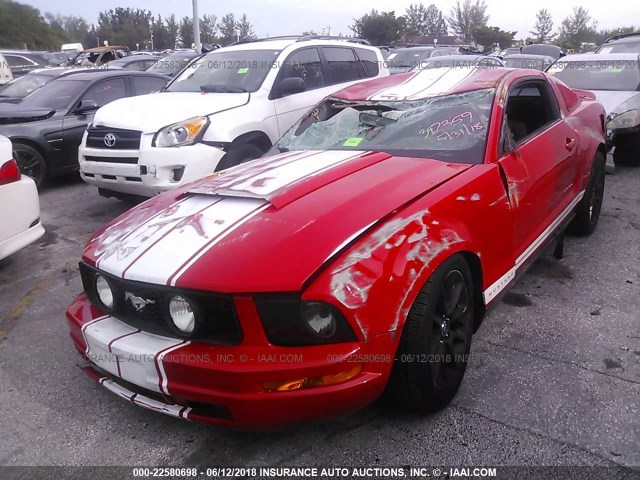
x: 143, y: 85
x: 369, y: 61
x: 305, y: 64
x: 531, y: 106
x: 342, y: 62
x: 18, y: 61
x: 106, y: 91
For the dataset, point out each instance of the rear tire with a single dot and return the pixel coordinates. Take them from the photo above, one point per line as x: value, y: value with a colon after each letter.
x: 239, y: 154
x: 31, y: 163
x: 588, y: 212
x: 627, y: 152
x: 434, y: 347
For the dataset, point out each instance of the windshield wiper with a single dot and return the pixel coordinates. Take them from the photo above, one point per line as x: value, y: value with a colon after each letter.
x: 221, y: 89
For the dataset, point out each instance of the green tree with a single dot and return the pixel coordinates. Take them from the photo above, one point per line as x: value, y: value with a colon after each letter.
x: 490, y: 37
x: 208, y: 28
x: 379, y: 28
x: 186, y: 32
x: 23, y: 26
x: 425, y: 21
x: 245, y: 28
x: 543, y: 27
x: 125, y: 26
x: 577, y: 28
x: 466, y: 16
x: 173, y: 28
x: 227, y: 28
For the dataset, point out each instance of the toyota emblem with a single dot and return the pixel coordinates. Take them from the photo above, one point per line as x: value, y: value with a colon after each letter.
x: 110, y: 140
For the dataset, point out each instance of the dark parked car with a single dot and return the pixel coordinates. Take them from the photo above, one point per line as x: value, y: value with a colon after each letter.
x: 408, y: 58
x: 543, y: 49
x: 134, y: 62
x: 173, y: 63
x: 20, y: 87
x: 524, y: 60
x: 47, y: 126
x: 22, y: 62
x: 625, y: 43
x: 94, y: 57
x: 614, y: 78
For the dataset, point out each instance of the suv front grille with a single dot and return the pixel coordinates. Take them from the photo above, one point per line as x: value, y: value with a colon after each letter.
x: 122, y: 139
x: 216, y: 311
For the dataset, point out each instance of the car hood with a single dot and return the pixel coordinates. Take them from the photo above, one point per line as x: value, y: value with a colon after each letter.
x: 615, y: 103
x: 16, y: 113
x: 263, y: 226
x: 151, y: 112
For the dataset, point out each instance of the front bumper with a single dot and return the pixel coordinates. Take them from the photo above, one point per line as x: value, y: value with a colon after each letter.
x: 224, y: 385
x: 148, y: 171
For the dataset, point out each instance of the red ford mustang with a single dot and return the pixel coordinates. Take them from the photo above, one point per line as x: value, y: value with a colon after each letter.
x: 358, y: 258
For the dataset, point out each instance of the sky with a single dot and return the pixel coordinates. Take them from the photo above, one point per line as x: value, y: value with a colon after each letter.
x: 281, y: 17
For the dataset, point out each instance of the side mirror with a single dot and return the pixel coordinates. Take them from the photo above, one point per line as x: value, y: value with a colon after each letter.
x: 86, y: 106
x: 290, y: 86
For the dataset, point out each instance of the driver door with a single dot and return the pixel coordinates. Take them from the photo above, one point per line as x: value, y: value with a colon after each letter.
x: 75, y: 124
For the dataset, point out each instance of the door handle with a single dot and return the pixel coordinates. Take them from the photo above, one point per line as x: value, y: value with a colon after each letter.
x: 571, y: 142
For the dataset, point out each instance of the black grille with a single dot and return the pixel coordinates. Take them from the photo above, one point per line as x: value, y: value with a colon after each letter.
x: 216, y: 312
x: 124, y: 139
x: 132, y: 160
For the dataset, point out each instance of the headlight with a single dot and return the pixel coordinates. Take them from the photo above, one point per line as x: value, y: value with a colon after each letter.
x: 624, y: 120
x: 182, y: 314
x: 320, y: 318
x: 104, y: 292
x: 181, y: 133
x: 290, y: 321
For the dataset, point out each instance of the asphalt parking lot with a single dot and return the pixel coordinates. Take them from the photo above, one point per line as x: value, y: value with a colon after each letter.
x: 554, y: 377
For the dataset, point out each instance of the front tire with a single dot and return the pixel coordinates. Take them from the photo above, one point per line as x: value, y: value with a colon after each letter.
x: 31, y: 163
x: 436, y: 339
x: 588, y: 212
x: 239, y: 154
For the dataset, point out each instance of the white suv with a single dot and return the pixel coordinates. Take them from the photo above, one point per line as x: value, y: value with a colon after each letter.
x: 227, y: 107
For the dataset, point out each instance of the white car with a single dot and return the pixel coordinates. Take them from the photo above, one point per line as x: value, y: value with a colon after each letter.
x: 228, y: 107
x: 19, y: 205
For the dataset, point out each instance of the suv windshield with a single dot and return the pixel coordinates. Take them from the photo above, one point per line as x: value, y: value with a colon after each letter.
x: 56, y: 94
x: 452, y: 128
x: 233, y: 71
x: 607, y: 74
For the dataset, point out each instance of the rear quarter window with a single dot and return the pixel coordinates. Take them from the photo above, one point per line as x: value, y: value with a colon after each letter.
x: 369, y: 61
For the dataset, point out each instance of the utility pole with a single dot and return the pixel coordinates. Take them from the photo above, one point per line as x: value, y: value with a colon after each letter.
x: 196, y: 27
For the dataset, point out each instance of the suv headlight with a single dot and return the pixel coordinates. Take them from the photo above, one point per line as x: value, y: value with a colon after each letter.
x: 186, y: 132
x: 289, y: 321
x: 624, y: 120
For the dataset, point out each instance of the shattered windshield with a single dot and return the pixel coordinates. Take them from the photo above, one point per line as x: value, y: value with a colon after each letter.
x: 451, y: 128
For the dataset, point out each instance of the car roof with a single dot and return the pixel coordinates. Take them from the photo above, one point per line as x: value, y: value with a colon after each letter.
x: 133, y: 58
x: 463, y: 56
x: 100, y: 73
x: 282, y: 43
x: 594, y: 57
x: 624, y: 38
x: 425, y: 83
x: 104, y: 49
x: 517, y: 56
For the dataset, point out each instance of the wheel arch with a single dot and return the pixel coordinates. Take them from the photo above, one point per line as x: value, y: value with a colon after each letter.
x: 30, y: 143
x: 255, y: 137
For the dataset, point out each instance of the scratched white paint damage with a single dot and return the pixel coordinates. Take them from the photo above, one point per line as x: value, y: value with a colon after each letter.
x: 351, y: 280
x: 425, y: 253
x: 475, y: 197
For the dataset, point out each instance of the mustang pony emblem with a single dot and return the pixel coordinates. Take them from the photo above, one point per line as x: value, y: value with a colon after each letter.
x: 138, y: 302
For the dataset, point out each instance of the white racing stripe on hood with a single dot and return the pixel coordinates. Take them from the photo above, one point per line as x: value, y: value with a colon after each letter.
x: 162, y: 259
x: 262, y: 183
x: 426, y: 83
x: 120, y: 254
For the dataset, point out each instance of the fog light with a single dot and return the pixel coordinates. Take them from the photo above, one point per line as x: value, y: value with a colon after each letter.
x: 105, y: 294
x: 176, y: 174
x: 311, y: 382
x: 182, y: 314
x: 320, y: 318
